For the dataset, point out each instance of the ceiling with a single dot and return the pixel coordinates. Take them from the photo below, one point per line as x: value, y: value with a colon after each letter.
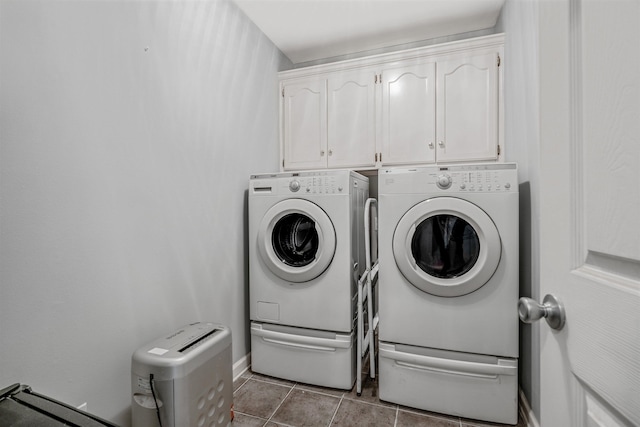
x: 308, y: 30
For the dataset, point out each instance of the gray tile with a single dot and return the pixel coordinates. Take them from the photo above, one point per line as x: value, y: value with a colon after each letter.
x: 241, y: 420
x: 369, y: 393
x: 475, y: 423
x: 421, y: 419
x: 331, y: 391
x: 306, y: 409
x: 356, y: 414
x: 259, y: 398
x: 274, y: 380
x: 239, y: 382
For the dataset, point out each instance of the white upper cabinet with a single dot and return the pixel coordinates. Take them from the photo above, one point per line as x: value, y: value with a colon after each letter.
x: 329, y: 121
x: 408, y: 115
x: 467, y: 108
x: 305, y: 128
x: 351, y: 120
x: 438, y: 104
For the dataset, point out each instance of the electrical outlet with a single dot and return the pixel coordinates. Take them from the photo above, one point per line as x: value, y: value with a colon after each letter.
x: 83, y: 407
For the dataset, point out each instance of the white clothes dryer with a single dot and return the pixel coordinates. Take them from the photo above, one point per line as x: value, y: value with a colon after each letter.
x: 448, y: 242
x: 306, y: 253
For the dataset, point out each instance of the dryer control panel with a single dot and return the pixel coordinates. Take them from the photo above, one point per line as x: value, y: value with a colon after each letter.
x: 481, y: 178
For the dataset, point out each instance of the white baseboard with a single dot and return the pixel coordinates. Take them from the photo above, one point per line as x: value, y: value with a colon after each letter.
x: 241, y: 366
x: 526, y: 412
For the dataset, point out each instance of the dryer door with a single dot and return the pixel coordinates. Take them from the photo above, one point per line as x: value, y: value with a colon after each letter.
x: 296, y: 240
x: 446, y: 246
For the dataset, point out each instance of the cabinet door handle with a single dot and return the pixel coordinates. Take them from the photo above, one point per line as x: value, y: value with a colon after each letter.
x: 321, y: 153
x: 441, y: 143
x: 331, y: 152
x: 431, y: 145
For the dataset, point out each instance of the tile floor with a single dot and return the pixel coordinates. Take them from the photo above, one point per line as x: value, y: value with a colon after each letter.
x: 271, y: 402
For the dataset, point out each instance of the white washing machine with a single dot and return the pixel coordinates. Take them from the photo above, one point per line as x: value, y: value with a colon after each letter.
x: 448, y: 331
x: 306, y: 253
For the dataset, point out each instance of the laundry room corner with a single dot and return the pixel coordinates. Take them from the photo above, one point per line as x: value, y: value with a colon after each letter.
x: 128, y: 132
x: 519, y: 20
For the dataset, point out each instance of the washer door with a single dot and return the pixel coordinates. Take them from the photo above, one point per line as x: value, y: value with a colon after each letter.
x: 296, y: 240
x: 446, y: 246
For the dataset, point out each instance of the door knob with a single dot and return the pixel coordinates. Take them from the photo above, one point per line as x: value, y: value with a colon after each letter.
x: 551, y: 309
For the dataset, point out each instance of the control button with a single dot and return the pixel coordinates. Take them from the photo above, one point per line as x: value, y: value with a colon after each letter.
x: 463, y: 186
x: 308, y: 190
x: 507, y: 186
x: 444, y: 181
x: 340, y: 188
x: 294, y: 186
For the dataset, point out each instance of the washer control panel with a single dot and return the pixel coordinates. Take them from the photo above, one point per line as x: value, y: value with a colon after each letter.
x: 317, y: 185
x: 473, y: 181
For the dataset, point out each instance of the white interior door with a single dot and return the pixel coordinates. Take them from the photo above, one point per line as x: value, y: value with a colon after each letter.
x: 589, y: 210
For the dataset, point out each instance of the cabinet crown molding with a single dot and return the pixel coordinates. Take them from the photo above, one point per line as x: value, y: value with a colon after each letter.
x: 493, y: 41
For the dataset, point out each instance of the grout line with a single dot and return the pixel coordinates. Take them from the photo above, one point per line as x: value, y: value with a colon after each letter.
x: 364, y: 402
x: 301, y: 387
x: 262, y: 380
x: 246, y: 380
x: 250, y: 416
x: 281, y: 402
x: 336, y: 411
x: 381, y: 405
x: 430, y: 414
x: 395, y: 422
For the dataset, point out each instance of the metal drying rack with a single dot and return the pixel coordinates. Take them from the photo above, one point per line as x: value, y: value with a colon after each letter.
x: 366, y: 295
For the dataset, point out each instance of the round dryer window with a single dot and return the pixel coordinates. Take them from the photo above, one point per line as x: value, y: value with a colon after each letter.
x: 447, y: 246
x: 296, y: 240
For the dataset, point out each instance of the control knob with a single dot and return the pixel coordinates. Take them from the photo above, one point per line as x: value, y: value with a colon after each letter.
x: 294, y: 186
x: 444, y: 181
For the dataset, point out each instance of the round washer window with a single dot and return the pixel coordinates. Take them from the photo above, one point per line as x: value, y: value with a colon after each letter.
x: 446, y: 246
x: 295, y: 239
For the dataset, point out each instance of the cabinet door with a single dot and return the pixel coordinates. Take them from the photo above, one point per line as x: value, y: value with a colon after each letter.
x: 409, y: 114
x: 467, y: 108
x: 351, y: 124
x: 305, y: 125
